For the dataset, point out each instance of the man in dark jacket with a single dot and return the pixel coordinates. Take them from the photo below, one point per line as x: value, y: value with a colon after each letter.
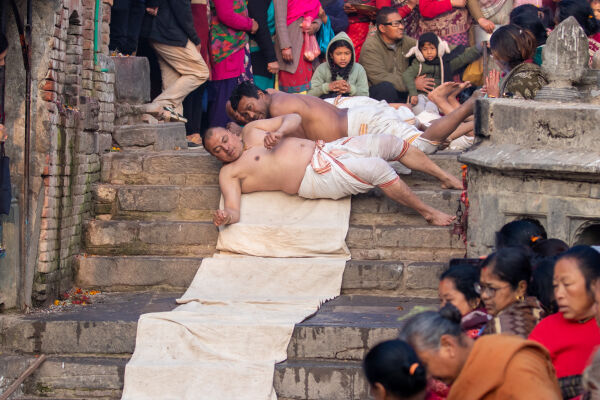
x: 173, y: 36
x: 384, y: 58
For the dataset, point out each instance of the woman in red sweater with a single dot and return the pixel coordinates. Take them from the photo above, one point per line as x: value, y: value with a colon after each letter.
x: 571, y: 335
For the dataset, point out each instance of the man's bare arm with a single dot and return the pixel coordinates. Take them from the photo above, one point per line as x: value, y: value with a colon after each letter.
x: 231, y: 189
x: 275, y: 128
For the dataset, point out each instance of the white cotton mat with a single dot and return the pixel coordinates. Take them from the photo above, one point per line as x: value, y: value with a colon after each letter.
x: 237, y: 317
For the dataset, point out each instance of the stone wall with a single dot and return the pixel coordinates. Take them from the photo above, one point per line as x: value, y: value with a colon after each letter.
x: 72, y: 121
x: 538, y: 160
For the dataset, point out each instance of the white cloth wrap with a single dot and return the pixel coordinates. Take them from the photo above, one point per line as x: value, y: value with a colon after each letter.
x: 376, y: 120
x: 350, y: 166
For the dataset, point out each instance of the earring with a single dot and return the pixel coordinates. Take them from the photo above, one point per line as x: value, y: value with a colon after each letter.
x: 520, y: 297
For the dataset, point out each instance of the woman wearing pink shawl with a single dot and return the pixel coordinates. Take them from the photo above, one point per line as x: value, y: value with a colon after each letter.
x: 295, y: 72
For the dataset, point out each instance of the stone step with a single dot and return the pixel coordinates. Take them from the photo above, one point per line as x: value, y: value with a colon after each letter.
x: 320, y: 380
x: 197, y: 238
x: 116, y: 237
x: 198, y: 167
x: 197, y: 203
x: 126, y: 273
x: 144, y: 137
x: 88, y: 346
x: 343, y: 330
x: 72, y: 377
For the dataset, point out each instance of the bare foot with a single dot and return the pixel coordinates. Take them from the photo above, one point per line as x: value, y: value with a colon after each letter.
x: 451, y: 182
x: 439, y: 96
x: 443, y: 91
x: 438, y: 218
x: 452, y: 96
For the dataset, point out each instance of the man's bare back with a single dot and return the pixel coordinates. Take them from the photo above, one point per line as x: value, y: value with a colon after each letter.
x: 320, y: 120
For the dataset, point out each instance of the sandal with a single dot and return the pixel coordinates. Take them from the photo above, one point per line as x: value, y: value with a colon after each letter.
x: 174, y: 115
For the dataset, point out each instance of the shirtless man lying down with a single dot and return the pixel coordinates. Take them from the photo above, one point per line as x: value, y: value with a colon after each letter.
x: 324, y: 121
x: 254, y: 162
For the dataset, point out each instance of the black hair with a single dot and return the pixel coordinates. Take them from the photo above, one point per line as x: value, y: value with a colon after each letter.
x: 429, y: 37
x: 244, y: 89
x: 425, y: 330
x: 549, y: 247
x: 390, y: 363
x: 3, y: 42
x: 583, y: 13
x: 527, y: 17
x: 520, y: 233
x: 333, y: 67
x: 541, y: 284
x: 465, y: 278
x: 466, y: 94
x: 511, y: 265
x: 588, y: 261
x: 382, y: 15
x: 513, y: 44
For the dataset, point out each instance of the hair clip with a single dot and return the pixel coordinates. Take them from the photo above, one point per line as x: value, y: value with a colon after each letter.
x: 534, y: 239
x: 413, y: 368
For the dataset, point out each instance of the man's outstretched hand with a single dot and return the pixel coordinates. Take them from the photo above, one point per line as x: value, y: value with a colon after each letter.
x: 221, y: 217
x: 271, y: 139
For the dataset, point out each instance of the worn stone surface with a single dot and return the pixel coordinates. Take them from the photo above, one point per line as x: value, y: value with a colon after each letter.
x: 166, y: 136
x: 565, y: 60
x: 534, y: 160
x: 534, y: 124
x: 136, y: 273
x: 312, y: 380
x: 132, y: 79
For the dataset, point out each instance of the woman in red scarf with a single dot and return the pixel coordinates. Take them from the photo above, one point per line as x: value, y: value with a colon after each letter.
x: 358, y: 27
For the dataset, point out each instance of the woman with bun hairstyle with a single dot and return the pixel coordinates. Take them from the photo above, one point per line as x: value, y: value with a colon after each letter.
x: 521, y: 232
x: 504, y: 281
x: 491, y: 368
x: 394, y: 372
x: 571, y: 335
x: 513, y: 49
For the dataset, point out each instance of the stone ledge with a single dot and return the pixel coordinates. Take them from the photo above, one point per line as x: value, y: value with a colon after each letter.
x: 511, y: 157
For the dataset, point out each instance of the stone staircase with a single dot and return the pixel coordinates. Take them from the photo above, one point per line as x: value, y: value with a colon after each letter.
x: 152, y: 228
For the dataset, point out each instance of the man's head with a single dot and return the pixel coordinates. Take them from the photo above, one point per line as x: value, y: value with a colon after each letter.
x: 250, y: 102
x: 389, y: 24
x: 428, y: 45
x: 223, y: 144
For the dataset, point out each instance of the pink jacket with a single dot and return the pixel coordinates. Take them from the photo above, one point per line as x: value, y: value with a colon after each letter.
x: 233, y: 65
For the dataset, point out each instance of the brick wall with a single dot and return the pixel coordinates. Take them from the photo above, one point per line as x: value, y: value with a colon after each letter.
x: 72, y: 121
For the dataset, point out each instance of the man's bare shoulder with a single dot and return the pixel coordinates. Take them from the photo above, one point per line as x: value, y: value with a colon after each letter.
x: 286, y: 103
x: 231, y: 170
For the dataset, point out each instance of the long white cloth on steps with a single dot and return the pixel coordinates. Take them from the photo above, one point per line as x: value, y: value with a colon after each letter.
x: 236, y: 318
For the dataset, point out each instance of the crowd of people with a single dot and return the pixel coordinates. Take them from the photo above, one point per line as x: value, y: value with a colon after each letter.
x: 421, y: 57
x: 520, y: 324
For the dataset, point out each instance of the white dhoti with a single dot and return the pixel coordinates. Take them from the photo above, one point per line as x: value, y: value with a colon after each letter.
x: 351, y: 166
x: 376, y: 120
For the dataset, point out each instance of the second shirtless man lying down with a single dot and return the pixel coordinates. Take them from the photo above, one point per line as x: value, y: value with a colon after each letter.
x: 263, y: 159
x: 324, y: 121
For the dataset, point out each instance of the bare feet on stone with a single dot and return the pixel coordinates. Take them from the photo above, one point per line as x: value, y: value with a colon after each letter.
x: 438, y: 218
